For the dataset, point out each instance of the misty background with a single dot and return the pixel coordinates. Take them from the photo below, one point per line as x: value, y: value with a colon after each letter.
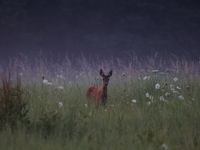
x: 98, y: 28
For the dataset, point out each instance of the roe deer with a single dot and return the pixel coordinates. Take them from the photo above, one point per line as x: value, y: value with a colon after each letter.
x: 99, y: 94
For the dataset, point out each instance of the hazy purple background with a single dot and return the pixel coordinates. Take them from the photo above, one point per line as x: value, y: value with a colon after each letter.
x: 104, y: 28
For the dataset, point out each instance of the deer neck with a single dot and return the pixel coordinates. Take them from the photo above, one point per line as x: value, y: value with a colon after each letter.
x: 104, y: 91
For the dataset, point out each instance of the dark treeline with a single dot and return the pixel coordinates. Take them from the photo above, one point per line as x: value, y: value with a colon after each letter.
x: 104, y: 27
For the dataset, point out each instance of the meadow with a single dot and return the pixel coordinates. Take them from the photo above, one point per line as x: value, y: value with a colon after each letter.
x: 153, y: 103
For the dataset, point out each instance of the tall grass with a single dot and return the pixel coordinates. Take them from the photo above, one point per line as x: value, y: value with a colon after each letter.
x: 60, y: 117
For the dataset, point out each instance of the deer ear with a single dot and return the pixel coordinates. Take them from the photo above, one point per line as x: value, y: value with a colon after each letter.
x: 101, y: 73
x: 110, y: 73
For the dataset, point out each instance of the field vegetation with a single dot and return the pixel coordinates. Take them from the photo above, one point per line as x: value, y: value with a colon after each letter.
x: 152, y: 104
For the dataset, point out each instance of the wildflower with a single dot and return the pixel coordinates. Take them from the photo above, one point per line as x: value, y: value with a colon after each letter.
x: 61, y: 87
x: 147, y: 94
x: 178, y: 88
x: 171, y: 86
x: 86, y: 105
x: 145, y: 78
x: 181, y: 97
x: 162, y: 98
x: 134, y: 101
x: 139, y: 78
x: 157, y: 86
x: 149, y: 103
x: 193, y: 99
x: 21, y: 74
x: 49, y: 83
x: 105, y: 109
x: 175, y: 79
x: 155, y: 71
x: 174, y: 91
x: 162, y: 73
x: 151, y: 97
x: 45, y: 81
x: 61, y: 76
x: 164, y: 146
x: 148, y: 77
x: 60, y: 104
x: 90, y: 114
x: 76, y: 76
x: 123, y: 74
x: 167, y: 94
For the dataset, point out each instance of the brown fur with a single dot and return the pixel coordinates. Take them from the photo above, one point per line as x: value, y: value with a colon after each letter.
x: 99, y: 94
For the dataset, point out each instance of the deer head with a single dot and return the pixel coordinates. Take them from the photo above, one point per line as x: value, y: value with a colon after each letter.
x: 105, y: 77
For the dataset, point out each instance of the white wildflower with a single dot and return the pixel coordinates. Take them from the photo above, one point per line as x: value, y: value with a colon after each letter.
x: 162, y: 73
x: 171, y: 86
x: 178, y: 88
x: 49, y: 83
x: 193, y: 99
x: 147, y: 94
x: 21, y: 74
x: 167, y: 94
x: 148, y: 103
x: 134, y: 101
x: 60, y: 104
x: 181, y: 97
x: 61, y: 76
x: 145, y: 78
x: 154, y: 71
x: 139, y: 78
x: 164, y: 146
x: 61, y: 87
x: 45, y: 81
x: 175, y: 91
x: 86, y: 105
x: 76, y: 76
x: 157, y: 86
x: 162, y: 98
x: 151, y: 97
x: 175, y: 79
